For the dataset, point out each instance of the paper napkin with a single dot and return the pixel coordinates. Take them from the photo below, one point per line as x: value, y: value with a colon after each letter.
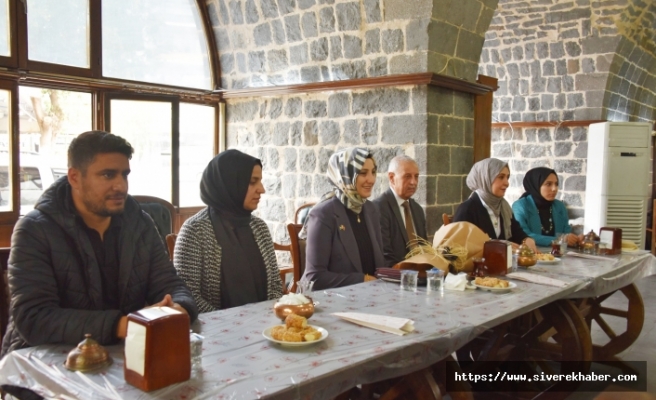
x: 534, y: 278
x: 395, y: 325
x: 456, y: 282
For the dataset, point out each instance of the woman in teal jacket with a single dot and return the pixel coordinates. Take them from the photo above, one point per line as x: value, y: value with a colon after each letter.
x: 538, y: 212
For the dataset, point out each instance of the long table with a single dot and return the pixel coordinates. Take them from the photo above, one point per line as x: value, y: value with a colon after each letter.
x: 239, y: 363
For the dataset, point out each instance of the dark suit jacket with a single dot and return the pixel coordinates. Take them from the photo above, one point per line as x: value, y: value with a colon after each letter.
x: 395, y: 237
x: 473, y: 210
x: 332, y: 256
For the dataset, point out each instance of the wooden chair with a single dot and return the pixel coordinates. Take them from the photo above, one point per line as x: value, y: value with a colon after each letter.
x: 298, y: 252
x: 446, y: 218
x: 4, y: 292
x: 302, y: 212
x: 162, y: 212
x: 170, y: 243
x: 286, y: 270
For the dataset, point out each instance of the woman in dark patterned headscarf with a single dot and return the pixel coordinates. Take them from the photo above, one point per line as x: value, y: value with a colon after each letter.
x: 486, y: 207
x: 538, y: 211
x: 223, y: 253
x: 344, y: 243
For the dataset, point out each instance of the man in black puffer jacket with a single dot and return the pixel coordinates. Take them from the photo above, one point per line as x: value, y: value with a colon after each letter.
x: 88, y: 255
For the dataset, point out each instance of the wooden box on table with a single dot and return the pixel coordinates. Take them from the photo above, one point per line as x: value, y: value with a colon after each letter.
x: 157, y: 350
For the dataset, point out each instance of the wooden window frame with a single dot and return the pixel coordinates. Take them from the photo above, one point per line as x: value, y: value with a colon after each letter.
x: 18, y: 69
x: 14, y: 148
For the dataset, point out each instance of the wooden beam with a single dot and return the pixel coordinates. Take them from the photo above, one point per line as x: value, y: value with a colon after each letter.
x: 423, y: 78
x: 544, y: 124
x: 483, y: 119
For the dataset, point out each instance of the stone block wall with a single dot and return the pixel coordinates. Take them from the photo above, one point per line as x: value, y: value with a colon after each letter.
x: 567, y: 61
x: 632, y: 84
x: 565, y: 149
x: 277, y: 42
x: 295, y: 135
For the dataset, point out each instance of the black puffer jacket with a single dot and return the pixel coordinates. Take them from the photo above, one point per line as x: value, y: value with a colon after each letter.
x: 55, y: 280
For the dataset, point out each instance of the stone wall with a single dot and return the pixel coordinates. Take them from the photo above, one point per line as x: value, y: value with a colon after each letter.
x: 275, y: 42
x: 282, y: 42
x: 559, y: 61
x: 295, y: 135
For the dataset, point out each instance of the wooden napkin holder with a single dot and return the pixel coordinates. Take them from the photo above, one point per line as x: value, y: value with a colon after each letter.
x: 498, y: 256
x: 157, y: 352
x: 613, y: 239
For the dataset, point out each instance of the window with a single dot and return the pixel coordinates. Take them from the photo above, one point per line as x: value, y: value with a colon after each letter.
x: 49, y: 120
x: 155, y: 41
x: 196, y: 149
x: 5, y: 152
x: 75, y: 65
x: 4, y: 29
x: 147, y: 126
x: 58, y: 32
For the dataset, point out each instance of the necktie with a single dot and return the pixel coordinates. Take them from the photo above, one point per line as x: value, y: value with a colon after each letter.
x: 409, y: 226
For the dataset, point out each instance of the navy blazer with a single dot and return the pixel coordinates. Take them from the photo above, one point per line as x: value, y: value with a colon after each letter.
x: 472, y: 210
x: 392, y: 228
x: 332, y: 256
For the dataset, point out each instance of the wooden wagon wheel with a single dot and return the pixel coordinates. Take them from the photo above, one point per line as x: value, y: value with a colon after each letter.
x: 552, y: 339
x: 593, y: 309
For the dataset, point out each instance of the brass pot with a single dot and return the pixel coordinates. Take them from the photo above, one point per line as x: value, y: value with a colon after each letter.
x: 87, y: 356
x: 304, y: 310
x: 527, y: 261
x: 525, y: 256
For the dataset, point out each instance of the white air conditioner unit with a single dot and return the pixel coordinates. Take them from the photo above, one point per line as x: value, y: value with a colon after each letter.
x: 617, y: 185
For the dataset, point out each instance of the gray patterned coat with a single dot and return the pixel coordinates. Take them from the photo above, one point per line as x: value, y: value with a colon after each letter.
x: 197, y: 257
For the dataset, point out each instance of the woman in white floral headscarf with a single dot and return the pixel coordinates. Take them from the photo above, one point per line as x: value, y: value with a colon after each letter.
x: 344, y: 243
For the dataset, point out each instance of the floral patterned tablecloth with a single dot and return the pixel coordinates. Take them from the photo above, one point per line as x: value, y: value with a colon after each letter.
x: 239, y: 363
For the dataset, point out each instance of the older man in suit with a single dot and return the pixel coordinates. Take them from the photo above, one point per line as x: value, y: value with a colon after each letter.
x: 402, y: 219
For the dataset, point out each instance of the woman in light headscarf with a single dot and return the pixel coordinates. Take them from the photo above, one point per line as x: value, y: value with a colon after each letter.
x: 344, y: 243
x: 486, y: 207
x: 538, y: 211
x: 223, y: 253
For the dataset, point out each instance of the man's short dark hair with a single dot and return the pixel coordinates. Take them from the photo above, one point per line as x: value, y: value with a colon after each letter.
x: 84, y: 148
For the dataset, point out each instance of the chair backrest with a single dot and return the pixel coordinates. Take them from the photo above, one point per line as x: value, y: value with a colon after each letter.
x: 4, y: 292
x: 161, y: 211
x: 285, y: 270
x: 298, y: 251
x: 170, y: 243
x: 446, y: 218
x: 302, y: 213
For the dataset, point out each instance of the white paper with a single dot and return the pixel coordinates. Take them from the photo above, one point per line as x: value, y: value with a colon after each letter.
x: 534, y: 278
x: 590, y: 256
x: 395, y: 325
x: 456, y: 282
x: 135, y: 348
x: 157, y: 312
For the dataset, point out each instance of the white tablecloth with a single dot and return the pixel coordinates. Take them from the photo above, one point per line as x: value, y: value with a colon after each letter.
x: 239, y: 363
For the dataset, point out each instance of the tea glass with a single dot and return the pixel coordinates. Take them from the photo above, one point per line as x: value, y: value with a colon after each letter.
x: 435, y: 281
x: 556, y: 248
x: 304, y: 286
x: 196, y: 350
x: 409, y: 280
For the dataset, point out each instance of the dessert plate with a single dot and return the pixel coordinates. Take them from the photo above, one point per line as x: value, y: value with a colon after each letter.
x: 267, y: 335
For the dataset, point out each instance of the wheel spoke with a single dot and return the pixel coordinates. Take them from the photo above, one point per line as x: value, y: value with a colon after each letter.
x: 604, y: 327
